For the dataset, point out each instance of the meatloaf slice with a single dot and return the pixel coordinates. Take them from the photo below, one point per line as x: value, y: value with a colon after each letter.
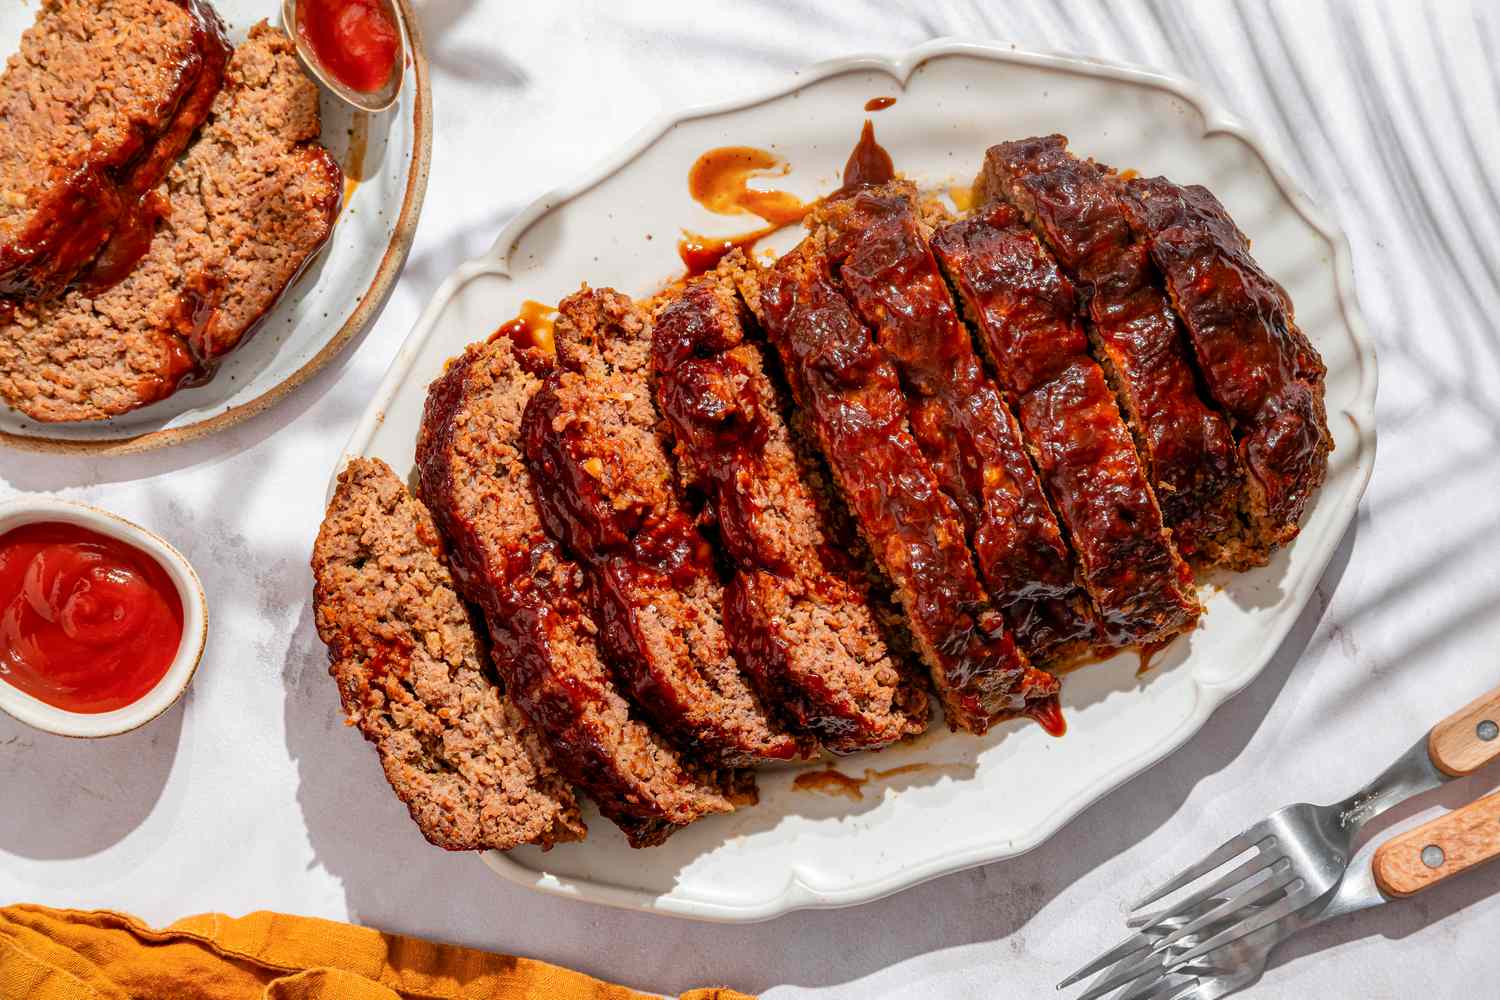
x: 474, y: 480
x: 879, y: 250
x: 606, y: 490
x: 245, y: 209
x: 100, y: 99
x: 851, y: 394
x: 798, y: 614
x: 1185, y: 443
x: 1256, y: 362
x: 411, y: 672
x: 1024, y: 312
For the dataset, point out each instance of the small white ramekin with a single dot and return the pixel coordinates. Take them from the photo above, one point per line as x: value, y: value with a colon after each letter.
x: 32, y: 711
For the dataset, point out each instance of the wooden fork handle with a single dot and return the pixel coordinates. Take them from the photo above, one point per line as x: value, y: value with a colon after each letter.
x: 1469, y: 738
x: 1441, y: 849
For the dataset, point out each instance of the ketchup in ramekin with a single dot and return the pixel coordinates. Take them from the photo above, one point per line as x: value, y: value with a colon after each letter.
x: 88, y: 623
x: 355, y: 40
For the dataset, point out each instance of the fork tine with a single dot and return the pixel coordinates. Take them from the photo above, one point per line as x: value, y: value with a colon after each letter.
x: 1162, y: 987
x: 1190, y: 989
x: 1183, y: 991
x: 1131, y: 945
x: 1140, y: 974
x: 1232, y: 848
x: 1271, y: 885
x: 1160, y: 959
x: 1293, y: 902
x: 1245, y: 871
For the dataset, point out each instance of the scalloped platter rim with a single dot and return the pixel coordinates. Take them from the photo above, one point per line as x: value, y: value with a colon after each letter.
x: 945, y: 802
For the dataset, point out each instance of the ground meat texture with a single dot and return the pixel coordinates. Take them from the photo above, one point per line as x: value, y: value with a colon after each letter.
x: 964, y: 427
x: 411, y: 671
x: 1186, y: 444
x: 606, y: 490
x: 94, y: 107
x: 243, y: 212
x: 798, y: 613
x: 857, y: 412
x: 545, y: 644
x: 1024, y: 312
x: 1255, y: 361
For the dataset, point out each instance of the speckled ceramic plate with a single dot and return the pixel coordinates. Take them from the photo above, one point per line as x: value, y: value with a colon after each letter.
x: 385, y: 159
x: 947, y: 801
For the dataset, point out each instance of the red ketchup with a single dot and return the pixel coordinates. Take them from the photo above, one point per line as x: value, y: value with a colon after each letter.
x: 88, y: 623
x: 355, y: 40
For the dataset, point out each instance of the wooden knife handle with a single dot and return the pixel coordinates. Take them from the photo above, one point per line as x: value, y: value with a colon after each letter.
x: 1469, y: 738
x: 1463, y: 839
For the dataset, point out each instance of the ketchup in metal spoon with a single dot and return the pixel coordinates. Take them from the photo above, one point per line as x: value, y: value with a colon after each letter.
x: 355, y: 40
x: 88, y: 623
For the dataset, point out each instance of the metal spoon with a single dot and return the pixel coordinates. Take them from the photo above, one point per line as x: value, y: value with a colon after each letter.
x: 375, y: 100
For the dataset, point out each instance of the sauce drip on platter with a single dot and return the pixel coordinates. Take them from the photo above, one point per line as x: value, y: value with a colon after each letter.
x: 868, y: 166
x: 719, y: 181
x: 879, y: 103
x: 88, y: 623
x: 532, y: 326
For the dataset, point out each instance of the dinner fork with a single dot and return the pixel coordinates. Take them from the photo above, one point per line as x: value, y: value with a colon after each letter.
x: 1402, y: 866
x: 1298, y: 855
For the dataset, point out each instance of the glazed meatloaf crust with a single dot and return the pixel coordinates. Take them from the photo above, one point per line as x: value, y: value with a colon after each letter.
x: 850, y: 392
x: 94, y: 107
x: 1185, y: 443
x: 412, y: 675
x: 960, y: 421
x: 798, y: 614
x: 245, y: 209
x: 1024, y: 314
x: 475, y: 482
x: 1256, y: 362
x: 607, y: 491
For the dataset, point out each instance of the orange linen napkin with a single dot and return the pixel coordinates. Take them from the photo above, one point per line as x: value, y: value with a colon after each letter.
x: 99, y: 955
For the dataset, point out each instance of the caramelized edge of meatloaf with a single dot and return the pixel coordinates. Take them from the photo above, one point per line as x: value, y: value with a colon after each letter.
x: 474, y: 480
x: 244, y: 211
x: 850, y: 393
x: 1023, y: 310
x: 878, y: 246
x: 77, y: 157
x: 799, y: 613
x: 607, y: 491
x: 412, y: 676
x: 1184, y: 442
x: 1256, y: 362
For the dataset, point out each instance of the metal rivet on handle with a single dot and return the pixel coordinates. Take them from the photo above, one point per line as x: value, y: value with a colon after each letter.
x: 1487, y: 730
x: 1433, y: 856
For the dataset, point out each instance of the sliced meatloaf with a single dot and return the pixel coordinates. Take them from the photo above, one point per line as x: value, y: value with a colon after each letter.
x: 1024, y: 312
x: 244, y: 210
x: 411, y: 671
x: 798, y: 614
x: 100, y: 99
x: 607, y: 491
x: 857, y: 412
x: 878, y: 246
x: 1185, y: 443
x: 1255, y: 361
x: 546, y: 648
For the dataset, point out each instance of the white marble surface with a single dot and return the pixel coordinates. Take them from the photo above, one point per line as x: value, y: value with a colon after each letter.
x: 251, y: 794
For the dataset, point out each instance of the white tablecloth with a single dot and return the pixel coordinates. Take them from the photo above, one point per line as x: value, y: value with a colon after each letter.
x: 251, y: 793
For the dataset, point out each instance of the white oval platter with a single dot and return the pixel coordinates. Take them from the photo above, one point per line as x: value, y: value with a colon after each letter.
x: 969, y: 801
x: 385, y: 159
